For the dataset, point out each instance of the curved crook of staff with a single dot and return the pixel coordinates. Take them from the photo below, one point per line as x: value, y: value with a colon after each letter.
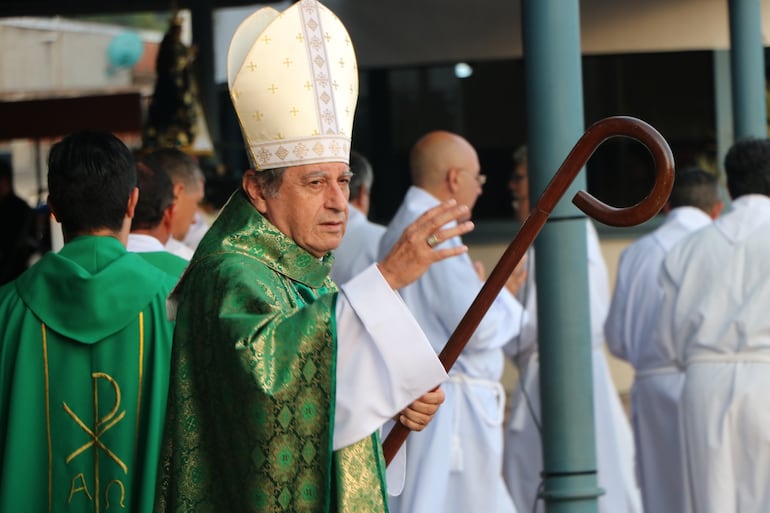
x: 617, y: 126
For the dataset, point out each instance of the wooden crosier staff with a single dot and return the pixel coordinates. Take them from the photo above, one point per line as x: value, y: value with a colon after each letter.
x: 618, y: 126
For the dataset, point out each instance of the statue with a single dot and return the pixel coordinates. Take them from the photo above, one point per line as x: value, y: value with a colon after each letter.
x: 172, y: 116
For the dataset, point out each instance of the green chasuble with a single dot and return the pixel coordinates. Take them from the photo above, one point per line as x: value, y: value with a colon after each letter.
x: 251, y: 398
x: 84, y: 356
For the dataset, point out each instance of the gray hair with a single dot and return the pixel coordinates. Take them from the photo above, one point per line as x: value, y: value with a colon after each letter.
x: 269, y: 181
x: 363, y: 176
x: 180, y: 167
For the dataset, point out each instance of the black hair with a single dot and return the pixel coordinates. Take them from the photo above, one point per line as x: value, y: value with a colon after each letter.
x: 694, y: 187
x: 90, y: 179
x: 747, y: 165
x: 156, y: 194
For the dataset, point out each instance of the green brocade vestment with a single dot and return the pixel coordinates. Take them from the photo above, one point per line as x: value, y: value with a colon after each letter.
x: 85, y: 347
x: 251, y: 401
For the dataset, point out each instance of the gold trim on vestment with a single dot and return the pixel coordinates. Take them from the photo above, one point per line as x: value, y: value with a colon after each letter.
x: 141, y: 374
x: 47, y: 418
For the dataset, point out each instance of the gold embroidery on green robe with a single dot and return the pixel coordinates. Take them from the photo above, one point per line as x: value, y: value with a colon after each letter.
x: 359, y: 475
x: 83, y: 374
x: 251, y: 409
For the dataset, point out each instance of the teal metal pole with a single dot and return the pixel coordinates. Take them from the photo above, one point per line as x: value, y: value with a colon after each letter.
x: 748, y: 69
x: 552, y: 63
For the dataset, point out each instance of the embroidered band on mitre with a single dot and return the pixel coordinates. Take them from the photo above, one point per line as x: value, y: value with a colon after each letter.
x: 293, y: 80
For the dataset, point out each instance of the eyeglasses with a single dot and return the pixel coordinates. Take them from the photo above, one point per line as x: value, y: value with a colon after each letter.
x: 480, y: 179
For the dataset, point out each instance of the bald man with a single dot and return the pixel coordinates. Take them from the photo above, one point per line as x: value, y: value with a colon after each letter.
x: 455, y: 464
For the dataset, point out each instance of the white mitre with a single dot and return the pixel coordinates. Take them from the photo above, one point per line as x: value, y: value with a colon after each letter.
x: 293, y: 80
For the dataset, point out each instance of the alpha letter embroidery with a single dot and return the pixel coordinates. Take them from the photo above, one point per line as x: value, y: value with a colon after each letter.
x: 100, y: 426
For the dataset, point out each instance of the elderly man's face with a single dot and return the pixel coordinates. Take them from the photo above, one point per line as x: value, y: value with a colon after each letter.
x: 311, y: 206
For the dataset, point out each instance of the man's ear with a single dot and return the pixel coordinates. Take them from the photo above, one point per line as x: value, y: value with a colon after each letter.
x: 168, y: 215
x: 178, y: 188
x: 133, y: 199
x: 51, y: 208
x: 254, y: 191
x: 453, y: 180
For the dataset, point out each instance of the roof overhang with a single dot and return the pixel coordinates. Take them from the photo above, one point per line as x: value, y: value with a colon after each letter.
x: 80, y: 7
x: 404, y: 32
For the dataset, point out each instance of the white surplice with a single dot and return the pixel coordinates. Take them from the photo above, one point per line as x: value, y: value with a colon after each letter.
x: 384, y: 361
x: 359, y: 246
x: 614, y: 440
x: 454, y: 465
x: 629, y: 331
x: 716, y: 295
x: 141, y: 243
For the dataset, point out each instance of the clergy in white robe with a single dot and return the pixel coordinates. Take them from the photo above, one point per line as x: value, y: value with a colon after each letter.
x: 715, y: 314
x: 629, y: 331
x: 152, y: 223
x: 455, y: 464
x: 523, y: 460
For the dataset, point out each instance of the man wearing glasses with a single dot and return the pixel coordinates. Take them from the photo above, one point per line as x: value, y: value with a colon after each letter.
x: 455, y: 464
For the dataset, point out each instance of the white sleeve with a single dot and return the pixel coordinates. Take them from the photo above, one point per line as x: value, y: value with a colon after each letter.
x: 384, y: 360
x: 616, y: 322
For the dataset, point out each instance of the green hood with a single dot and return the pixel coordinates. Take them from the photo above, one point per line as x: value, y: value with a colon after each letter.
x: 91, y: 289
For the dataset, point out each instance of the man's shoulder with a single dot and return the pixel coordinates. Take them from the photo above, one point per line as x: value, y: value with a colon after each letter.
x: 642, y: 244
x: 166, y: 262
x: 180, y: 249
x: 407, y: 213
x: 690, y: 249
x: 151, y: 267
x: 369, y: 231
x: 373, y: 227
x: 8, y: 295
x: 230, y: 266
